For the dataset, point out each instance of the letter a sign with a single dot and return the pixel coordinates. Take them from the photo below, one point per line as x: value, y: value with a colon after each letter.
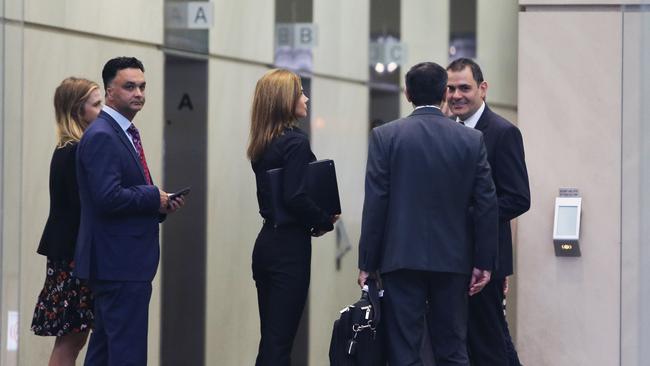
x: 189, y: 15
x: 200, y: 15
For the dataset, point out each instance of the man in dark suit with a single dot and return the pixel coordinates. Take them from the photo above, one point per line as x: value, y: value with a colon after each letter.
x: 117, y: 247
x: 488, y: 335
x: 423, y: 173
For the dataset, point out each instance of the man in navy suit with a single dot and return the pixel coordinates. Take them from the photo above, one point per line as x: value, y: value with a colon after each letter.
x: 488, y: 335
x: 423, y: 174
x: 117, y: 247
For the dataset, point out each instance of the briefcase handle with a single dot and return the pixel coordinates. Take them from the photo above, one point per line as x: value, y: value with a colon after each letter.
x: 374, y: 293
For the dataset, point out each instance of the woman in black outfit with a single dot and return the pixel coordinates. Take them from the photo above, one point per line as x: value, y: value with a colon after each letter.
x: 282, y: 253
x: 64, y: 306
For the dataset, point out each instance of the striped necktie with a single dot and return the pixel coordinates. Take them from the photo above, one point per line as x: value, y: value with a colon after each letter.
x: 135, y: 135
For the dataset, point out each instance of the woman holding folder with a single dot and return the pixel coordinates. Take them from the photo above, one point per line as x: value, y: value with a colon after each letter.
x: 282, y: 253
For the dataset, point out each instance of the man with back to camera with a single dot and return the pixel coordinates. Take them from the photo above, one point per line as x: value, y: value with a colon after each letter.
x: 423, y: 173
x: 489, y: 340
x: 117, y: 247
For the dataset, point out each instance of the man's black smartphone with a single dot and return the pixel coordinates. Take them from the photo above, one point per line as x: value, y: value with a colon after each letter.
x: 183, y: 192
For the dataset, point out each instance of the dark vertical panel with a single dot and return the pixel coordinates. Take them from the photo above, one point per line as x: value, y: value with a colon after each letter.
x: 385, y: 22
x: 385, y: 18
x: 462, y: 16
x: 384, y: 90
x: 184, y: 233
x: 462, y: 29
x: 384, y: 106
x: 294, y: 11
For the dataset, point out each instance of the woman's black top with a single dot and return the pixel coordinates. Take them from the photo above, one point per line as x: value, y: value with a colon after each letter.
x: 60, y: 233
x: 291, y: 152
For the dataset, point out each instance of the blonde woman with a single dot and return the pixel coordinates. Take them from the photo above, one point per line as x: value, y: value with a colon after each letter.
x: 64, y: 306
x: 282, y: 253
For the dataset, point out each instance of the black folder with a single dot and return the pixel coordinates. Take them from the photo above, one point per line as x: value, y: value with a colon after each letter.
x: 321, y: 188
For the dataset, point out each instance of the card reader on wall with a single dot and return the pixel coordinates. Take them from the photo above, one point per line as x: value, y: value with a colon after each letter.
x: 566, y: 225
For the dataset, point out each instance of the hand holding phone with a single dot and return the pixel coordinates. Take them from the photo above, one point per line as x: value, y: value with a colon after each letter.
x: 183, y: 192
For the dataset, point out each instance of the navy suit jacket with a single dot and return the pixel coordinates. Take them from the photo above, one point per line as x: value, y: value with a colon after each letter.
x: 423, y: 173
x: 505, y: 149
x: 118, y: 231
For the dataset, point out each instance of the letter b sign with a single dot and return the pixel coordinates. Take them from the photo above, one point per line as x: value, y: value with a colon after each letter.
x: 305, y: 35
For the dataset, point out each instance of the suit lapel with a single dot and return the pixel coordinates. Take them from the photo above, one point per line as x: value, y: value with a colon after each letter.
x: 483, y: 122
x: 125, y: 141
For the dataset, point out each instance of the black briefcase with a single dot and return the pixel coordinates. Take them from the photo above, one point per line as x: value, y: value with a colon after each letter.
x: 357, y: 336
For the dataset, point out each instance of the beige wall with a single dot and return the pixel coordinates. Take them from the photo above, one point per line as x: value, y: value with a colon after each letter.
x: 425, y: 31
x: 570, y: 116
x: 232, y: 323
x: 11, y: 179
x: 339, y: 119
x: 496, y: 49
x: 243, y: 29
x: 116, y: 18
x: 342, y: 49
x: 339, y: 131
x: 13, y: 9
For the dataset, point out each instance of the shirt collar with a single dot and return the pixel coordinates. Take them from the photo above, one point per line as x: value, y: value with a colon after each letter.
x: 119, y: 118
x: 473, y: 119
x: 426, y: 106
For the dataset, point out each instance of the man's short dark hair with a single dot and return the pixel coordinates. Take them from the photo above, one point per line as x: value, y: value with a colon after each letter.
x: 460, y: 64
x: 116, y: 64
x: 426, y: 83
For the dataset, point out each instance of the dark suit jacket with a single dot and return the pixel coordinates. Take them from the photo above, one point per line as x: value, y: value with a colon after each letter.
x: 118, y: 233
x: 60, y: 233
x: 423, y: 173
x: 505, y: 149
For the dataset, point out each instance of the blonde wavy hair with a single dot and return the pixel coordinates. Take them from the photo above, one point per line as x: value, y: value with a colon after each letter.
x: 273, y: 110
x: 69, y: 100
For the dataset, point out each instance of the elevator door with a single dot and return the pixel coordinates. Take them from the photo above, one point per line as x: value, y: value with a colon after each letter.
x: 184, y: 233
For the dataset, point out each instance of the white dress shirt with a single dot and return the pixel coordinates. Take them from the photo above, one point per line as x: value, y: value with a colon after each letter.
x: 121, y: 120
x: 426, y: 106
x: 473, y: 119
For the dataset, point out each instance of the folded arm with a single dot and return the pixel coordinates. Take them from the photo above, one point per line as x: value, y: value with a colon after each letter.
x: 297, y: 158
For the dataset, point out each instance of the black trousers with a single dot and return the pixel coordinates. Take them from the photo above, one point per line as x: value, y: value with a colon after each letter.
x: 281, y: 270
x: 489, y: 340
x: 404, y: 306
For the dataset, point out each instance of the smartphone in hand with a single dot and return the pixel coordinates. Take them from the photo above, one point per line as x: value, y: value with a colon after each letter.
x: 183, y: 192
